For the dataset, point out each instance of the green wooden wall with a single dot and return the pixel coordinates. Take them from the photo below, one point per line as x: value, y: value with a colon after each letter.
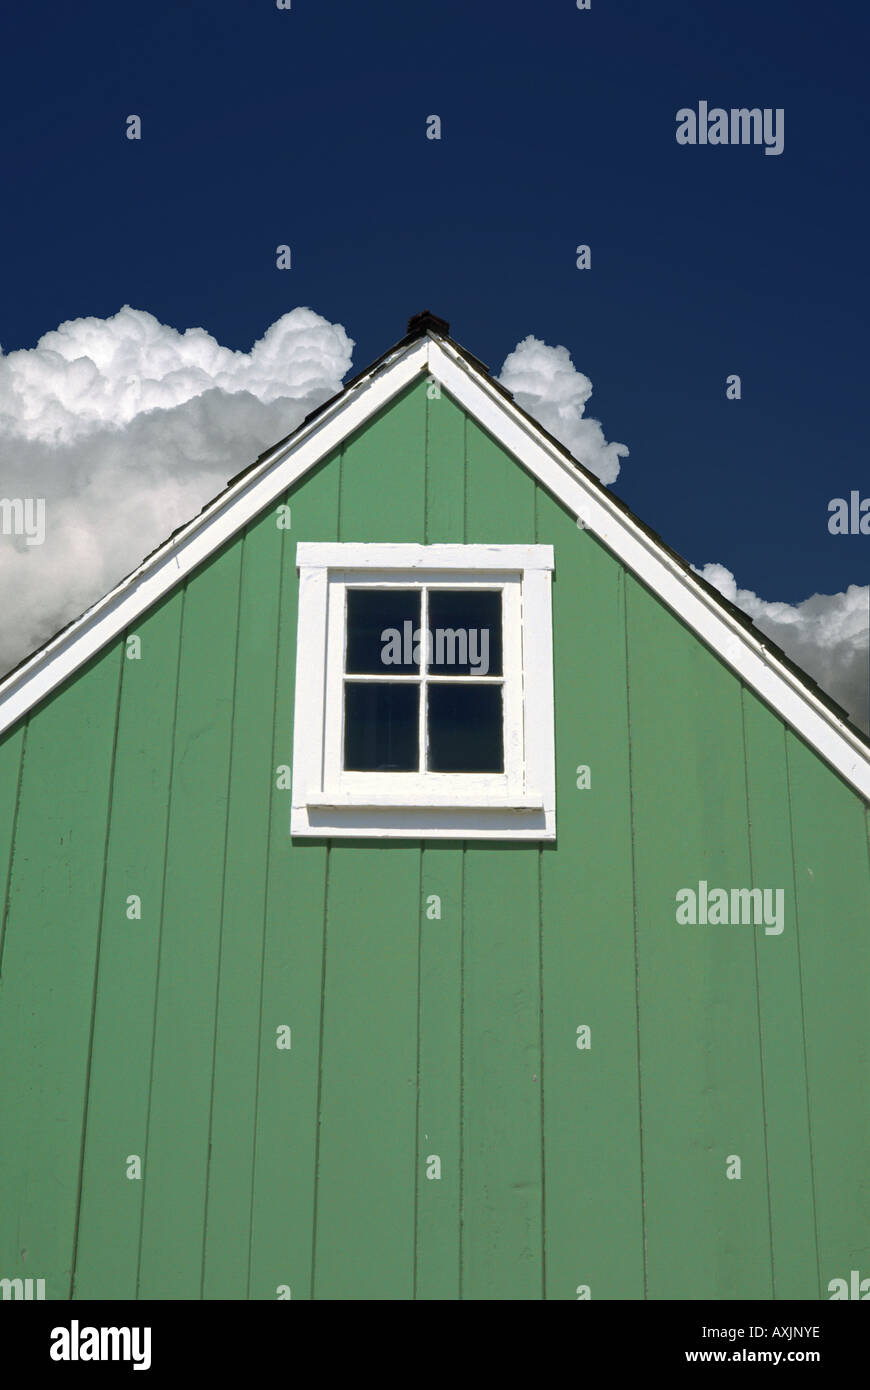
x: 562, y: 1168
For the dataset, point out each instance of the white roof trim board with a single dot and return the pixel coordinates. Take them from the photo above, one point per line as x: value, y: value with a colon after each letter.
x: 268, y: 480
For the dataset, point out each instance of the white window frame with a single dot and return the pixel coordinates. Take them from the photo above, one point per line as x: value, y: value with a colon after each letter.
x: 328, y: 801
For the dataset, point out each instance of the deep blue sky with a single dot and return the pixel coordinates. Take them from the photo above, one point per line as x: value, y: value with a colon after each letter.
x: 307, y: 127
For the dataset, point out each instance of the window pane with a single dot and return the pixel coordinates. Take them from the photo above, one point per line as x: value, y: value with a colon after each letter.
x: 466, y: 631
x: 465, y: 728
x: 381, y: 628
x: 381, y: 726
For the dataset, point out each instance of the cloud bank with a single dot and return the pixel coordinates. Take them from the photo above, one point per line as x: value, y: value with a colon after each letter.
x: 128, y: 428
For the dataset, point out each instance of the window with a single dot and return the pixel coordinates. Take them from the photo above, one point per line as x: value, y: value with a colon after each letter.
x: 423, y: 679
x: 424, y: 692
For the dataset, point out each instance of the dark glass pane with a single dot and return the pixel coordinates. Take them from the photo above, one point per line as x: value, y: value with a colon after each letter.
x: 466, y: 631
x: 381, y: 731
x: 381, y: 628
x: 465, y: 728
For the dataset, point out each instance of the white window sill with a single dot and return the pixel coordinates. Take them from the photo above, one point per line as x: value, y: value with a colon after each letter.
x: 336, y: 800
x: 371, y: 817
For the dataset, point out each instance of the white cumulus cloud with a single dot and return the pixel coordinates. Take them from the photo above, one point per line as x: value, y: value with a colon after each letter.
x: 545, y: 382
x: 127, y: 428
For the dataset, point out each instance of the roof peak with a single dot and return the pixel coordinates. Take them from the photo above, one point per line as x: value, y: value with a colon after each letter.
x: 427, y: 322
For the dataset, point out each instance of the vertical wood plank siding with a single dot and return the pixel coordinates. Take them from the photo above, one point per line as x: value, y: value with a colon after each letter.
x: 435, y: 994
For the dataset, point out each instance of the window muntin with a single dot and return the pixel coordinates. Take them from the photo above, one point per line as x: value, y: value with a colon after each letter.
x: 423, y: 680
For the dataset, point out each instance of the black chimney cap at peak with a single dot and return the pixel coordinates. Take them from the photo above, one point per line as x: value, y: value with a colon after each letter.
x: 418, y: 324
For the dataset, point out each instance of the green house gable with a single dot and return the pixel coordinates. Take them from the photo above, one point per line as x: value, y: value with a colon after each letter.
x: 239, y: 1065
